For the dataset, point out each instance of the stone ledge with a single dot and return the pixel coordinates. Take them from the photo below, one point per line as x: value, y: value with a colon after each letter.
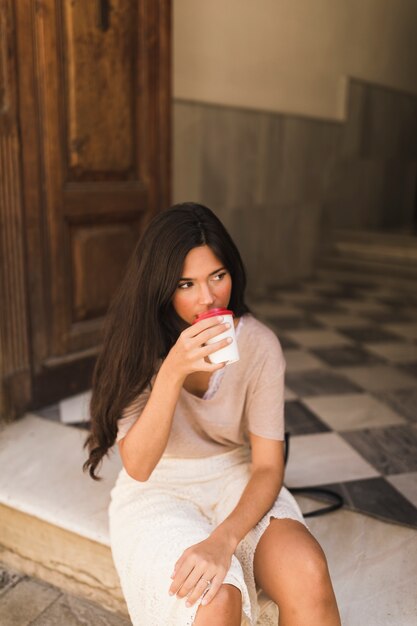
x: 53, y: 517
x: 60, y: 557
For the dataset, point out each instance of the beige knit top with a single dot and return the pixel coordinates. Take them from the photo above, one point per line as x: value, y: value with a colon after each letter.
x: 249, y: 397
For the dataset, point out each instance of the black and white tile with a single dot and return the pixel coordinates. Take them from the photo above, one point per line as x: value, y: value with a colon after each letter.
x: 351, y: 391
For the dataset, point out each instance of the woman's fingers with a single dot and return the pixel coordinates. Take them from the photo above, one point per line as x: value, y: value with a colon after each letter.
x: 213, y: 347
x: 216, y: 583
x: 200, y: 587
x: 201, y: 338
x: 181, y: 575
x: 211, y: 332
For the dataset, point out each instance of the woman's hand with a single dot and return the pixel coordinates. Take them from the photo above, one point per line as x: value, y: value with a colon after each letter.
x: 189, y: 353
x: 208, y: 560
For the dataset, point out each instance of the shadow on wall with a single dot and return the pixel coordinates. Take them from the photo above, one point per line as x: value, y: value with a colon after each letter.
x: 281, y: 183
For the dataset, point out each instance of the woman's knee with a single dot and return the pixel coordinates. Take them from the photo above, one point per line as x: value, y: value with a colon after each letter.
x: 316, y: 564
x: 227, y: 597
x: 292, y: 562
x: 226, y: 606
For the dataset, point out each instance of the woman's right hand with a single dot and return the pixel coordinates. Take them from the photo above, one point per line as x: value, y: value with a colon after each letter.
x: 188, y: 354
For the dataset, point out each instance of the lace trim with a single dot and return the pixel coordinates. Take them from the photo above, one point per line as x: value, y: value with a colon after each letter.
x: 217, y: 377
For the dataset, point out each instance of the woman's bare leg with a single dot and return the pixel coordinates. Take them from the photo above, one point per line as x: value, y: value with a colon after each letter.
x: 290, y: 566
x: 225, y: 609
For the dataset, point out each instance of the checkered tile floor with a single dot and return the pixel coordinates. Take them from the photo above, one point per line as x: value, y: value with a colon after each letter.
x: 351, y: 390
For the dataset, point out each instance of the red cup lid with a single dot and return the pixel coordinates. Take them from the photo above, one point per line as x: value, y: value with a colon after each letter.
x: 213, y: 313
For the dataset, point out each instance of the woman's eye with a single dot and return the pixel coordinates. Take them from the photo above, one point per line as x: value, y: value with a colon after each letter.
x: 184, y: 285
x: 220, y: 276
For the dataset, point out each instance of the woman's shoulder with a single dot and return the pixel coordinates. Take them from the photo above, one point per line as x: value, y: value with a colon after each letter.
x: 260, y: 349
x: 259, y: 344
x: 257, y: 333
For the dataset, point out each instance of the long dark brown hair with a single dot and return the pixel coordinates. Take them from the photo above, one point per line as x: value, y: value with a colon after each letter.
x: 141, y: 324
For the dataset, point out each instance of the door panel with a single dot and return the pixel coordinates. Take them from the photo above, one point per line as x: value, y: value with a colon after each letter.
x: 101, y: 80
x: 95, y: 111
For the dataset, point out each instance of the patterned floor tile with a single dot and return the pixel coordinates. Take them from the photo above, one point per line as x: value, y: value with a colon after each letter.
x: 378, y: 378
x: 342, y: 293
x: 390, y: 317
x: 368, y: 334
x: 300, y: 421
x: 403, y: 401
x: 295, y: 298
x: 289, y: 395
x: 392, y: 450
x: 293, y: 322
x: 340, y: 320
x: 395, y: 352
x: 270, y: 309
x: 346, y: 355
x: 408, y: 331
x: 356, y: 412
x: 50, y: 412
x: 317, y: 338
x: 358, y: 306
x: 362, y: 285
x: 299, y: 360
x: 396, y: 301
x: 319, y: 383
x: 286, y: 342
x: 339, y: 418
x: 321, y: 306
x: 410, y: 368
x: 406, y: 484
x: 76, y: 409
x: 377, y: 497
x: 8, y: 579
x: 324, y: 458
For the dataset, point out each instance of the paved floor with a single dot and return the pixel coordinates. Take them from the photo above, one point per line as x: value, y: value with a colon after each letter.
x: 351, y: 390
x: 351, y: 397
x: 27, y: 601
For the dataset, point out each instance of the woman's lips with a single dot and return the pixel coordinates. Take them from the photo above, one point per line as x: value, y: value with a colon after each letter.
x: 201, y: 312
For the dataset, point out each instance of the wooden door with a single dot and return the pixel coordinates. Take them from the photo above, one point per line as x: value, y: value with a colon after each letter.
x: 94, y: 115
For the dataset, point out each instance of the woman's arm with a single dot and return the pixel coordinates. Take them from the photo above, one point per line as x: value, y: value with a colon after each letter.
x: 145, y: 442
x: 267, y: 474
x: 210, y: 559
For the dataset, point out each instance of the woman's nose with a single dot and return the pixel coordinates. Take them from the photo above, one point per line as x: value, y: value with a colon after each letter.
x: 206, y: 297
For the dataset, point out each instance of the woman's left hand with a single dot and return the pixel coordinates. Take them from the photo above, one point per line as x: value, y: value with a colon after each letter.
x: 208, y: 560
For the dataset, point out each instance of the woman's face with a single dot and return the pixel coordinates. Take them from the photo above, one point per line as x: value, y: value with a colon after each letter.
x: 204, y: 284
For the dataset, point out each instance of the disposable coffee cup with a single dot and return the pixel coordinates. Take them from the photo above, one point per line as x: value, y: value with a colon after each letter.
x: 230, y: 353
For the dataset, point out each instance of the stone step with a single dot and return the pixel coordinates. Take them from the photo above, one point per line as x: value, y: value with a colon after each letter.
x: 53, y: 525
x: 53, y: 518
x: 28, y: 601
x: 378, y: 254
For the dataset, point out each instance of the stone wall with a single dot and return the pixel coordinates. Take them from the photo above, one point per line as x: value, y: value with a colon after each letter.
x: 280, y: 182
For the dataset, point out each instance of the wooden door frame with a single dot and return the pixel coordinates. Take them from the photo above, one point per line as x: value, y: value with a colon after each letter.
x: 27, y: 366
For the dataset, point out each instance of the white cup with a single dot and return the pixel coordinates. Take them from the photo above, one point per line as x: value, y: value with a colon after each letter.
x: 229, y: 354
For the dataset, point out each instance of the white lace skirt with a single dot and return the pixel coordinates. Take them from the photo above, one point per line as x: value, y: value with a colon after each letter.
x: 153, y: 522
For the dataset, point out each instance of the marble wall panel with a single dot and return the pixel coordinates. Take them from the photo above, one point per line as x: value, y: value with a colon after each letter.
x: 390, y: 128
x: 308, y: 149
x: 280, y: 183
x: 399, y: 197
x: 351, y: 132
x: 187, y: 152
x: 355, y: 194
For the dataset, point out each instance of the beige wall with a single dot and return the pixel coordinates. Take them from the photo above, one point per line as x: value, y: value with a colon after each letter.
x: 291, y: 56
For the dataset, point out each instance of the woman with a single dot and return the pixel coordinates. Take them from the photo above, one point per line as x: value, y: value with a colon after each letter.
x: 199, y: 520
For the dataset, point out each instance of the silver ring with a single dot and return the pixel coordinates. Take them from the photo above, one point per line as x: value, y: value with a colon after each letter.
x: 208, y: 582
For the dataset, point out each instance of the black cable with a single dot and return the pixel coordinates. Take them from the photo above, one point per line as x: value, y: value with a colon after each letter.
x: 336, y: 499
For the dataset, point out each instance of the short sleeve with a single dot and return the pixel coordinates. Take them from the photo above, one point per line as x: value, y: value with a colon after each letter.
x: 265, y: 400
x: 132, y: 413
